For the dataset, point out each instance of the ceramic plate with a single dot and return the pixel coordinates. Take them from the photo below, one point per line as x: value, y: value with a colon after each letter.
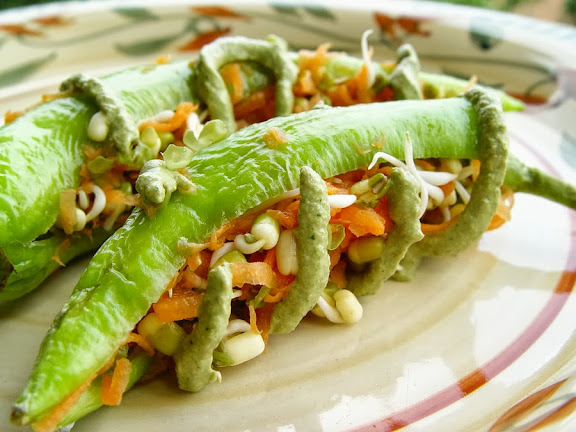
x: 482, y: 341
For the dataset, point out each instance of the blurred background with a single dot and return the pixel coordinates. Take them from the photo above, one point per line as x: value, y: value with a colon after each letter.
x: 563, y: 11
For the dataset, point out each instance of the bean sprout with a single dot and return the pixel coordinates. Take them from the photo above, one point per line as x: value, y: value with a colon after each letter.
x: 367, y: 57
x: 218, y: 253
x: 99, y: 202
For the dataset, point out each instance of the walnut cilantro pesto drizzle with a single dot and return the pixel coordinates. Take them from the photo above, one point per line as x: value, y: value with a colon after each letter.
x: 123, y: 129
x: 272, y: 54
x: 195, y: 356
x: 404, y: 207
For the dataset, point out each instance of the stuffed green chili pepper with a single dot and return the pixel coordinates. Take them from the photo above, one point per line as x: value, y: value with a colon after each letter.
x: 202, y: 276
x: 68, y: 165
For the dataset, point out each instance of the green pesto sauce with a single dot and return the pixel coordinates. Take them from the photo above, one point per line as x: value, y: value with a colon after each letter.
x: 156, y: 182
x: 272, y: 54
x: 123, y: 130
x: 404, y: 208
x: 312, y: 241
x: 195, y: 356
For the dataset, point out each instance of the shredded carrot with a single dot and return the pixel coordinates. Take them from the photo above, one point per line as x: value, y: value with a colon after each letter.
x: 175, y: 279
x: 336, y: 189
x: 114, y: 385
x: 335, y: 257
x: 91, y: 152
x: 257, y: 107
x: 231, y: 229
x: 338, y: 274
x: 85, y: 174
x: 50, y: 422
x: 194, y: 261
x: 476, y: 165
x: 314, y: 61
x: 351, y: 177
x: 275, y: 137
x: 288, y: 217
x: 66, y: 243
x: 283, y: 287
x: 54, y: 96
x: 274, y: 298
x: 255, y: 273
x: 348, y: 237
x: 140, y: 341
x: 163, y: 59
x: 263, y: 319
x: 253, y: 319
x: 437, y: 228
x: 360, y: 87
x: 183, y: 304
x: 382, y: 209
x: 386, y: 170
x: 384, y: 95
x: 505, y: 204
x: 340, y: 96
x: 183, y: 110
x: 361, y: 221
x: 425, y: 165
x: 68, y: 210
x: 117, y: 196
x: 448, y: 188
x: 270, y: 257
x: 10, y: 116
x: 232, y: 76
x: 204, y: 266
x: 304, y: 86
x: 191, y: 280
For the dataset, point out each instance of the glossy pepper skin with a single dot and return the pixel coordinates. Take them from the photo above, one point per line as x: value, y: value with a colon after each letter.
x: 132, y: 269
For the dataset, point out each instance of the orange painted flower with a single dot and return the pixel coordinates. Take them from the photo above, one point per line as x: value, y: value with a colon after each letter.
x: 19, y: 30
x: 52, y: 21
x: 203, y: 39
x: 217, y: 11
x: 390, y: 26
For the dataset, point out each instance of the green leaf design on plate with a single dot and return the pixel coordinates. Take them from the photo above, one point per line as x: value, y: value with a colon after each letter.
x: 136, y: 13
x: 284, y: 9
x: 568, y: 148
x: 20, y: 72
x: 485, y: 34
x: 320, y: 12
x: 147, y: 46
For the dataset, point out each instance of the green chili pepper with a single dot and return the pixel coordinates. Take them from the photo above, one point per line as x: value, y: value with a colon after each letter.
x: 533, y: 181
x: 473, y: 222
x: 195, y: 355
x: 312, y: 242
x: 132, y: 269
x: 404, y: 208
x: 37, y: 260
